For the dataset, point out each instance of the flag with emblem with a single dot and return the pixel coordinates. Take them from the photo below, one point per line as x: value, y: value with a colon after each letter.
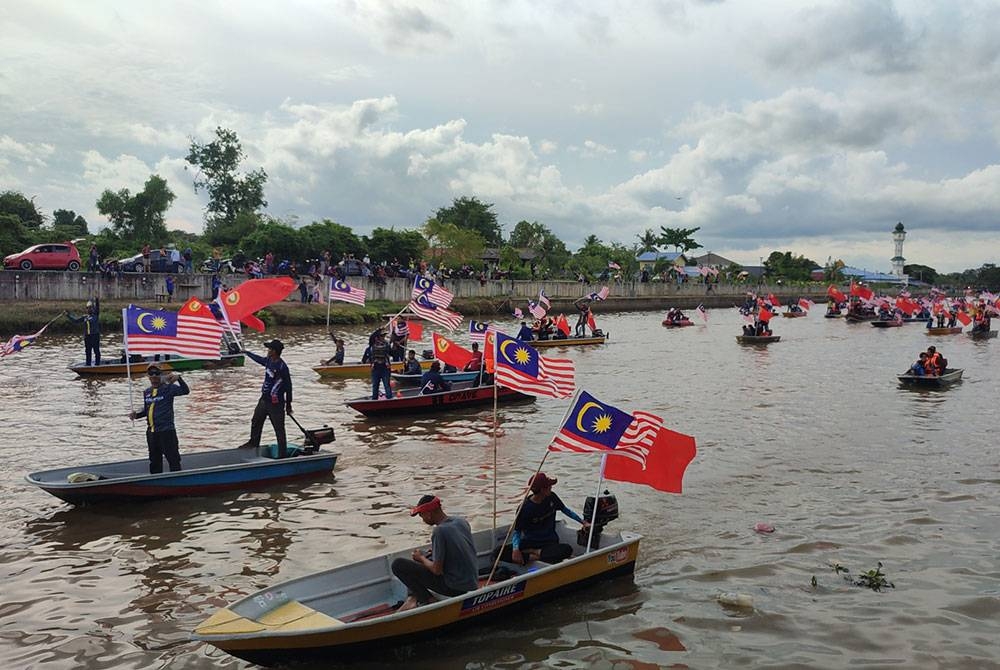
x: 341, y: 290
x: 18, y: 342
x: 477, y: 331
x: 594, y: 426
x: 255, y: 294
x: 439, y: 295
x: 520, y: 367
x: 536, y: 310
x: 544, y: 299
x: 424, y: 307
x: 192, y: 332
x: 450, y: 353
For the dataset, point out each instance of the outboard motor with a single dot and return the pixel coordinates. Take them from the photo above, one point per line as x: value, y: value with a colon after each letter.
x: 427, y: 354
x: 607, y: 511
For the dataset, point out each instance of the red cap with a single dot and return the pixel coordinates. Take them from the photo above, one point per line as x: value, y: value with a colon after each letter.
x: 540, y: 481
x: 426, y: 504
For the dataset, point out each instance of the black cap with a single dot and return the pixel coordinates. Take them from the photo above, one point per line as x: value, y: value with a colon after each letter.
x: 153, y: 370
x: 276, y: 345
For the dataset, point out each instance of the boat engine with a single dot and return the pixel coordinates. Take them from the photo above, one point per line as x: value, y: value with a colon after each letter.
x: 607, y: 511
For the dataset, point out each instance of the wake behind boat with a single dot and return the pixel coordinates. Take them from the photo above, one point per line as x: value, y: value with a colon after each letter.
x: 982, y: 334
x: 411, y: 401
x: 348, y: 610
x: 116, y: 367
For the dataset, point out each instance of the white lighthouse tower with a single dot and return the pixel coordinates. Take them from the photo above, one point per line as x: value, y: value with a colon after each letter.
x: 898, y: 235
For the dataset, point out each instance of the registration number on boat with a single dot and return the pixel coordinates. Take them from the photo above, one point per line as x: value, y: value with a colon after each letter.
x: 619, y: 556
x: 457, y: 396
x: 270, y: 600
x: 492, y: 599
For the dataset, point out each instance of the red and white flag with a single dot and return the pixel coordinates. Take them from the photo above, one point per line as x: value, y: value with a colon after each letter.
x: 341, y: 290
x: 702, y: 313
x: 192, y: 332
x: 422, y: 306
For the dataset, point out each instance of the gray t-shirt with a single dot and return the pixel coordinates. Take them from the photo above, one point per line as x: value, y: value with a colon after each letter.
x: 451, y: 543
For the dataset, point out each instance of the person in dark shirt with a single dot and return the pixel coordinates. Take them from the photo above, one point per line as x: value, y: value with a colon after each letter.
x: 432, y: 381
x: 412, y: 366
x: 338, y: 355
x: 91, y: 330
x: 525, y: 334
x: 158, y: 409
x: 534, y: 536
x: 275, y: 397
x: 381, y: 363
x: 583, y: 306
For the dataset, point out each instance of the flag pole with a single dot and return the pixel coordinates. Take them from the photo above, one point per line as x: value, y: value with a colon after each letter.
x: 510, y: 528
x: 597, y: 495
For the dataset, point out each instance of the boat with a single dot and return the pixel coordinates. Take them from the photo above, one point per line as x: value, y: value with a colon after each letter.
x: 569, y: 341
x: 886, y: 323
x: 982, y: 334
x: 950, y: 376
x: 116, y: 367
x: 954, y: 330
x: 757, y: 339
x: 360, y: 370
x: 453, y: 377
x: 676, y: 323
x: 411, y: 401
x: 203, y: 473
x: 833, y: 315
x: 794, y: 315
x: 350, y: 610
x: 855, y: 317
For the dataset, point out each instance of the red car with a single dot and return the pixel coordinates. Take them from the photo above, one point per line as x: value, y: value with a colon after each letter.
x: 59, y: 256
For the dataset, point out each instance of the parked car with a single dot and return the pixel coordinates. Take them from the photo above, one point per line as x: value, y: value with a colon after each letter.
x: 60, y: 256
x: 132, y: 264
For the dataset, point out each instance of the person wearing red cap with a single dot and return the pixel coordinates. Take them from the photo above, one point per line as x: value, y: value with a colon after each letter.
x: 535, y: 536
x: 452, y: 567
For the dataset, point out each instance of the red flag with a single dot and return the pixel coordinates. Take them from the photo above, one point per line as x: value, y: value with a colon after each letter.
x: 835, y: 294
x: 805, y: 304
x: 666, y: 461
x: 907, y: 306
x: 964, y: 318
x: 765, y: 314
x: 448, y: 352
x: 256, y: 294
x: 773, y: 300
x: 416, y: 330
x: 563, y: 325
x: 861, y: 291
x: 591, y: 322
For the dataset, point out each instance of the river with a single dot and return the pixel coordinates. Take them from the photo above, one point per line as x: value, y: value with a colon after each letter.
x: 811, y: 435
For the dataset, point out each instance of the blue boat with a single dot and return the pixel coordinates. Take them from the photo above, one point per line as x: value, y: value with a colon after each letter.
x: 203, y: 473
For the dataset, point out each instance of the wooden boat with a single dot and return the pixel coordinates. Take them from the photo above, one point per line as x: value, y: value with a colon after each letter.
x: 350, y: 610
x: 982, y: 334
x: 950, y: 376
x: 854, y: 317
x: 833, y: 315
x: 955, y: 330
x: 453, y: 377
x: 203, y: 472
x: 757, y: 339
x: 361, y: 370
x: 569, y: 342
x: 411, y: 401
x: 676, y: 323
x: 794, y: 315
x: 115, y: 367
x: 890, y: 323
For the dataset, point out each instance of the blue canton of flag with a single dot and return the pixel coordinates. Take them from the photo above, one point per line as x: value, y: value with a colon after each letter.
x: 592, y: 425
x: 423, y: 306
x: 477, y: 331
x: 141, y: 323
x: 439, y: 295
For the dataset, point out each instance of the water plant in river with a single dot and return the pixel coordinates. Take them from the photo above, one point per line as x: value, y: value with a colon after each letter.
x: 872, y: 579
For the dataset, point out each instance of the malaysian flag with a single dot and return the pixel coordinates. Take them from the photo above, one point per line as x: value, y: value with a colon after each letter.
x: 422, y: 306
x: 439, y: 295
x: 702, y: 313
x: 613, y: 266
x: 219, y: 312
x: 594, y: 426
x: 518, y: 314
x: 19, y: 342
x: 600, y: 295
x: 193, y: 331
x: 341, y: 290
x: 520, y: 367
x: 401, y: 328
x: 477, y: 331
x: 536, y: 310
x: 543, y: 299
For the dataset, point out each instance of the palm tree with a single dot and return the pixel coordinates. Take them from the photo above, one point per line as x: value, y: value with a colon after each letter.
x: 648, y: 241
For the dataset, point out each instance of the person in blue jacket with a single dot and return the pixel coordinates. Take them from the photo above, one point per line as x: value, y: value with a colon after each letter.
x: 525, y: 334
x: 91, y: 330
x: 158, y: 409
x: 275, y: 397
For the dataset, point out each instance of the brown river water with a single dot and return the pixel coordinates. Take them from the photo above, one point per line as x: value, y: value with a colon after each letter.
x: 812, y: 435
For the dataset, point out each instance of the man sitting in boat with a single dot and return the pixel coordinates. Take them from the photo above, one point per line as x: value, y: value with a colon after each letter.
x: 412, y: 365
x: 525, y: 334
x: 338, y: 356
x: 432, y: 381
x: 534, y: 537
x: 935, y: 363
x: 452, y: 567
x: 795, y: 308
x: 919, y: 368
x: 476, y: 362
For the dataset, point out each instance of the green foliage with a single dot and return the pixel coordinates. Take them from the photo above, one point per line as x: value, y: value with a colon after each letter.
x: 388, y: 244
x: 922, y: 273
x: 648, y: 241
x: 219, y: 232
x: 469, y: 214
x: 453, y: 245
x: 510, y: 260
x: 784, y: 265
x: 874, y: 579
x: 139, y: 216
x: 592, y: 258
x: 13, y: 235
x: 229, y: 194
x: 551, y: 252
x: 277, y: 237
x: 70, y: 223
x: 327, y: 235
x: 12, y: 202
x: 679, y: 238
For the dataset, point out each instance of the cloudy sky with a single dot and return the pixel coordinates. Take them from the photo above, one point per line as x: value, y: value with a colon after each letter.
x: 810, y: 127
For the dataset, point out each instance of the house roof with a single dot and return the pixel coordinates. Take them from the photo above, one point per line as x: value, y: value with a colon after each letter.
x: 493, y: 254
x: 712, y: 260
x: 654, y: 256
x: 871, y: 275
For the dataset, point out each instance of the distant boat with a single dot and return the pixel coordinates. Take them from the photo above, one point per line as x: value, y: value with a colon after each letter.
x: 676, y: 323
x: 794, y: 315
x: 757, y: 339
x: 855, y: 317
x: 360, y: 370
x: 982, y: 334
x: 116, y: 367
x: 833, y: 315
x: 890, y: 323
x: 569, y: 342
x: 950, y: 376
x: 955, y: 330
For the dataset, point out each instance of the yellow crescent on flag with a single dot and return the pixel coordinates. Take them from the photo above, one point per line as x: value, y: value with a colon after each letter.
x: 503, y: 350
x: 579, y: 415
x: 233, y: 298
x: 138, y: 322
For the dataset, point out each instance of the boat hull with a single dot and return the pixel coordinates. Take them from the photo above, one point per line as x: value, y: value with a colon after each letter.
x: 887, y: 324
x: 411, y: 401
x: 949, y: 377
x: 174, y: 364
x: 982, y: 334
x: 250, y: 631
x: 568, y: 342
x: 860, y: 318
x: 757, y: 339
x: 955, y: 330
x: 794, y: 315
x: 203, y: 473
x: 360, y: 370
x: 676, y: 324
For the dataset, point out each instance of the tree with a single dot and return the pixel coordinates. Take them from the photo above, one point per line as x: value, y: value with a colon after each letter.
x: 276, y: 236
x: 648, y: 241
x: 550, y: 252
x: 229, y: 194
x: 12, y: 202
x: 141, y: 216
x: 451, y: 244
x: 13, y: 235
x: 69, y: 222
x: 785, y: 265
x: 921, y: 273
x: 679, y: 238
x: 327, y: 235
x: 472, y: 215
x: 388, y: 245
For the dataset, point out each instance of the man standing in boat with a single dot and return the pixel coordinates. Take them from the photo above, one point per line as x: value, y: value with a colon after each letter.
x: 275, y: 397
x: 381, y: 366
x: 158, y: 408
x: 583, y: 305
x: 452, y: 567
x: 91, y: 330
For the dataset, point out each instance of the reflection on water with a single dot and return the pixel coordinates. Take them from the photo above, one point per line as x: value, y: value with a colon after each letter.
x: 811, y: 435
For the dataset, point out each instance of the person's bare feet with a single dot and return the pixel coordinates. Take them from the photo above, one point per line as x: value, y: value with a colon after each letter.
x: 408, y: 604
